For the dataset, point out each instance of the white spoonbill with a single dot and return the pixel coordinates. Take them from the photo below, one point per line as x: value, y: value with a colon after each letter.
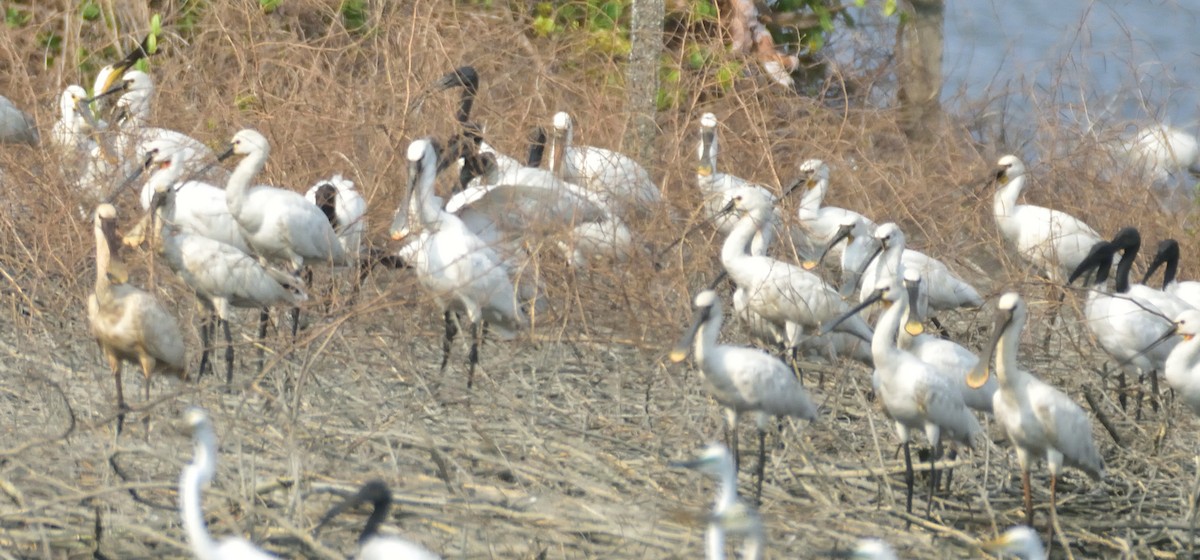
x: 915, y: 396
x: 941, y: 290
x: 1125, y: 326
x: 729, y: 514
x: 1183, y: 364
x: 1163, y: 152
x: 278, y: 224
x: 129, y: 324
x: 463, y: 273
x: 16, y: 126
x: 222, y: 275
x: 135, y: 133
x: 197, y: 474
x: 1020, y: 541
x: 526, y: 202
x: 371, y: 544
x: 1168, y: 254
x: 70, y: 132
x: 821, y: 223
x: 742, y: 379
x: 621, y: 182
x: 949, y: 358
x: 717, y: 188
x: 1039, y: 420
x: 792, y: 298
x: 1051, y: 240
x: 200, y: 208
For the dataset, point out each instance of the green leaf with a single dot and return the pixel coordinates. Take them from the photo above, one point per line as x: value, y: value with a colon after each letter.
x: 269, y: 6
x: 860, y: 3
x: 727, y: 74
x: 354, y: 15
x: 155, y: 25
x: 89, y: 10
x: 142, y: 65
x: 704, y: 9
x: 543, y: 26
x: 16, y: 18
x: 152, y: 43
x: 889, y: 8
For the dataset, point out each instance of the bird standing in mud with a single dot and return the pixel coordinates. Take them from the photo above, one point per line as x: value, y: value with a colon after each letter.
x: 1038, y: 419
x: 128, y: 323
x: 742, y: 379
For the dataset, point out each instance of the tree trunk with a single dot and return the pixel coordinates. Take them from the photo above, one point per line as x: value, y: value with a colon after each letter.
x: 641, y: 75
x: 919, y: 42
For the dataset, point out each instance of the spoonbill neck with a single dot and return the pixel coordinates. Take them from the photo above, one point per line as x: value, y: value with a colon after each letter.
x: 706, y: 335
x: 1006, y: 353
x: 813, y: 197
x: 1005, y: 202
x: 883, y: 340
x: 738, y: 241
x: 239, y: 180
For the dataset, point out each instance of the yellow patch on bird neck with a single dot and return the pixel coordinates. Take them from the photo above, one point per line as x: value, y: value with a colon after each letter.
x: 977, y: 377
x: 704, y: 170
x: 1186, y: 337
x: 914, y: 328
x: 1003, y: 179
x: 117, y: 272
x: 808, y: 265
x: 678, y: 355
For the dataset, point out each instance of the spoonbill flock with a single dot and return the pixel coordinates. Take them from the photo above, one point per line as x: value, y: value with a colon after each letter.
x: 236, y: 243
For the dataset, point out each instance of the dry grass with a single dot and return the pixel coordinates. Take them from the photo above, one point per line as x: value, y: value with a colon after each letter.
x: 561, y: 449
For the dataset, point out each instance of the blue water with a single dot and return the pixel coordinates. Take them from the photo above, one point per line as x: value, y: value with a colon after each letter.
x: 1124, y: 60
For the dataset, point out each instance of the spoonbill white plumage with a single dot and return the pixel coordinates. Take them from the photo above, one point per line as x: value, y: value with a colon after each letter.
x: 526, y: 201
x: 200, y: 208
x: 940, y: 290
x: 371, y: 544
x: 1051, y: 240
x: 1125, y: 326
x: 781, y: 293
x: 1020, y: 541
x: 867, y: 549
x: 16, y: 126
x: 1038, y: 419
x: 136, y: 137
x: 278, y: 224
x: 621, y: 182
x: 128, y: 323
x: 915, y: 396
x: 1168, y: 254
x: 70, y: 131
x: 949, y: 358
x: 729, y: 514
x: 1163, y: 152
x: 1183, y: 364
x: 197, y: 474
x: 821, y: 223
x: 742, y: 379
x: 463, y: 273
x: 718, y: 187
x: 221, y: 275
